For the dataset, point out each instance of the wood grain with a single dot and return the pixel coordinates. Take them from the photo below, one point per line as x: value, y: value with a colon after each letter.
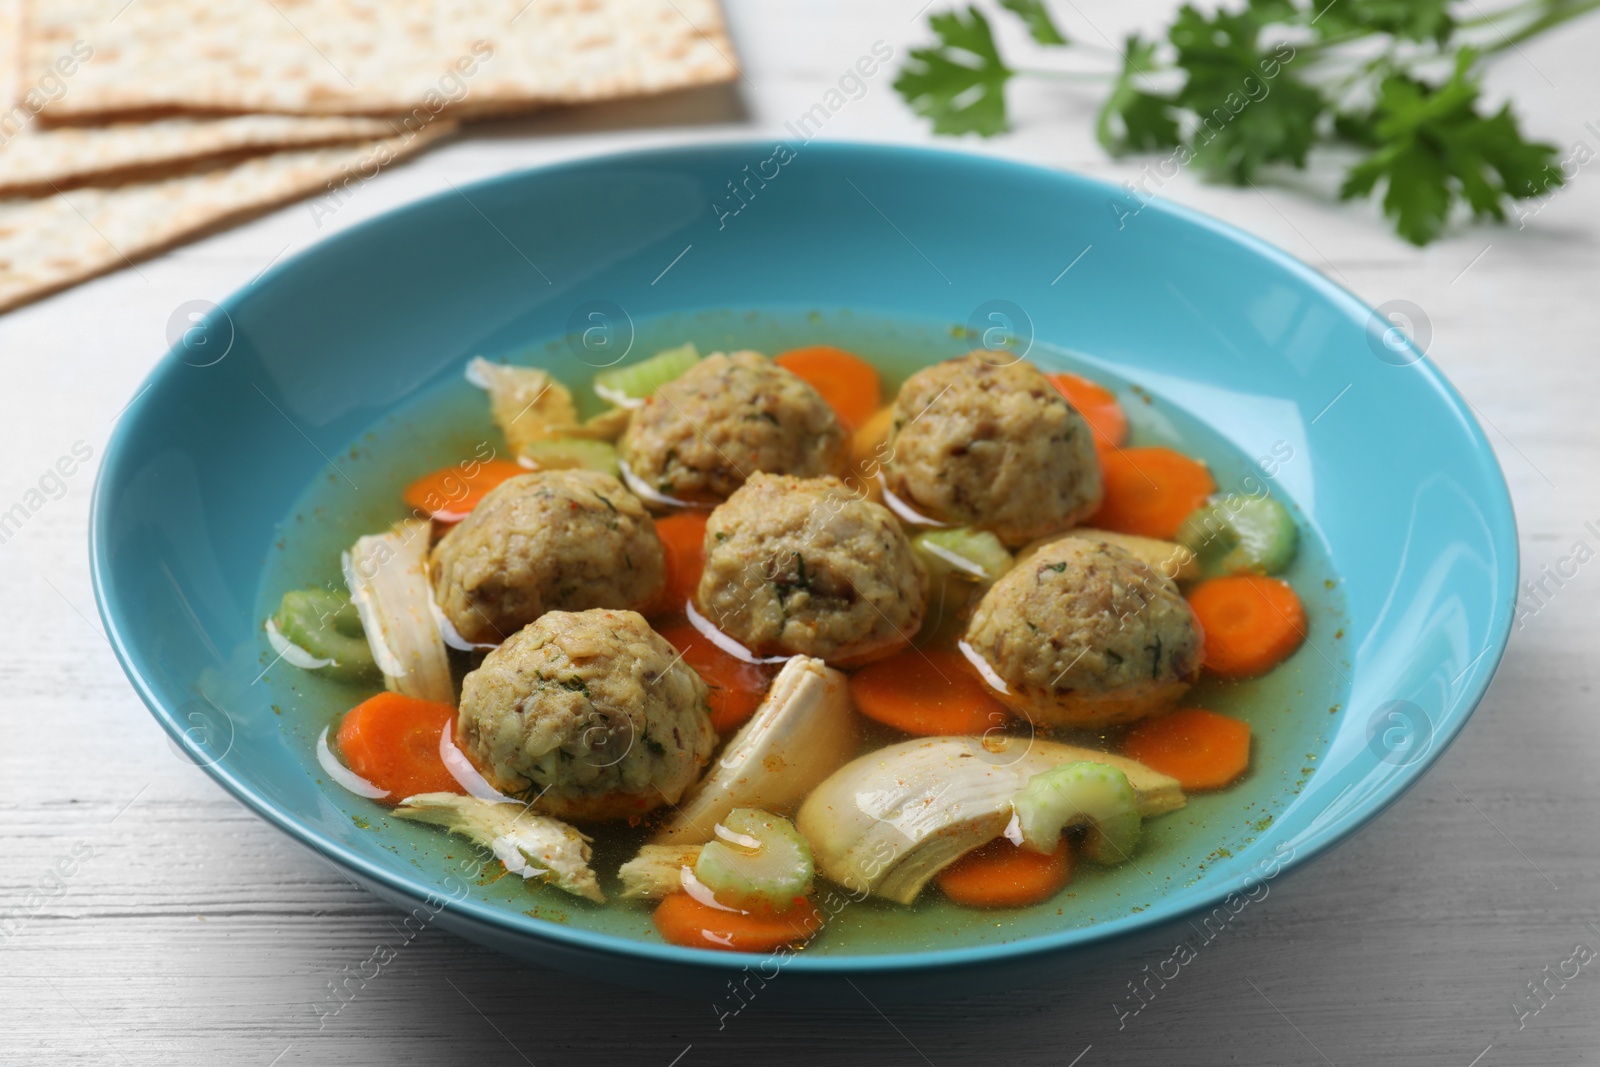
x: 199, y: 935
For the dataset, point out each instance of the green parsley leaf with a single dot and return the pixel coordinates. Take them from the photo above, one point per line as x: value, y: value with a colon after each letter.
x: 1435, y: 150
x: 1411, y: 20
x: 1131, y: 119
x: 1265, y: 12
x: 1357, y: 127
x: 960, y: 84
x: 1252, y: 108
x: 1037, y: 18
x: 1251, y: 91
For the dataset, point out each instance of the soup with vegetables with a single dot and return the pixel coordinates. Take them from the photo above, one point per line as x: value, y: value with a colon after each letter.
x: 736, y: 640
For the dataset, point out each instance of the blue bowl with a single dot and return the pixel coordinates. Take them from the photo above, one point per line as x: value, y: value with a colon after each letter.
x: 292, y: 380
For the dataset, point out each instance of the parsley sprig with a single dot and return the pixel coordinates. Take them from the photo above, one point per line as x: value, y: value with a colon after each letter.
x: 1234, y: 91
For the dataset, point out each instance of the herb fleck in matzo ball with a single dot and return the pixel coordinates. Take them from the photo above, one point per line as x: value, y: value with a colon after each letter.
x: 992, y: 446
x: 727, y: 418
x: 803, y: 566
x: 1083, y: 634
x: 564, y: 540
x: 593, y: 713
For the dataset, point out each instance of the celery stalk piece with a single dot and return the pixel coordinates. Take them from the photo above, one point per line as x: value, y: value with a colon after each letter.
x: 387, y: 575
x: 1072, y: 793
x: 758, y: 860
x: 957, y: 551
x: 1236, y: 534
x: 533, y: 846
x: 565, y: 453
x: 326, y: 625
x: 628, y: 387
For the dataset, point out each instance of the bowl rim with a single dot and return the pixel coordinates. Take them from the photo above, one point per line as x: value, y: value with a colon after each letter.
x: 1313, y: 841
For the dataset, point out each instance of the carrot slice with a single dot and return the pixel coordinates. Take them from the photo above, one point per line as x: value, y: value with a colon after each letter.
x: 392, y: 741
x: 1150, y: 491
x: 685, y: 921
x: 450, y: 493
x: 1251, y: 623
x: 867, y: 444
x: 1002, y: 875
x: 683, y: 537
x: 929, y: 692
x: 848, y: 383
x: 1199, y: 748
x: 736, y: 687
x: 868, y: 453
x: 1098, y: 406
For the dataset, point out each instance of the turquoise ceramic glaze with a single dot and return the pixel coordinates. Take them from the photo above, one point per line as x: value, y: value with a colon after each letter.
x: 300, y: 378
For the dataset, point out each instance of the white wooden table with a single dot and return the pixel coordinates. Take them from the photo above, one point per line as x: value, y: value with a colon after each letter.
x: 180, y: 929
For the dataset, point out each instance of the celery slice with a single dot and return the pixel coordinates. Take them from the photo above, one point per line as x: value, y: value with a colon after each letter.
x: 1236, y: 534
x: 565, y: 453
x: 629, y: 386
x: 757, y: 860
x: 327, y: 625
x: 957, y: 551
x: 1075, y: 793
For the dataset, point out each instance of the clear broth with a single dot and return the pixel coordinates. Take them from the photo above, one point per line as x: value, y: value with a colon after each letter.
x: 1292, y: 711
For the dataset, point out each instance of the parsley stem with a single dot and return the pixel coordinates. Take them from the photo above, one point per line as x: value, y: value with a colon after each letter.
x: 1337, y: 89
x: 1064, y: 75
x: 1525, y: 6
x: 1557, y: 14
x: 1317, y: 47
x: 1374, y: 72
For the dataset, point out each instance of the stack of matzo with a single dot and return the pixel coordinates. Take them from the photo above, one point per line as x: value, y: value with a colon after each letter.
x: 128, y: 125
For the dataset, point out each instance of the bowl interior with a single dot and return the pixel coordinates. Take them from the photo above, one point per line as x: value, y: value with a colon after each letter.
x: 340, y: 370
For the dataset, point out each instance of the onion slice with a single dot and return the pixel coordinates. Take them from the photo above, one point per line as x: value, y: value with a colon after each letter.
x: 709, y: 631
x: 292, y: 653
x: 981, y: 665
x: 344, y: 775
x: 465, y: 774
x: 648, y: 493
x: 903, y: 511
x: 448, y: 631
